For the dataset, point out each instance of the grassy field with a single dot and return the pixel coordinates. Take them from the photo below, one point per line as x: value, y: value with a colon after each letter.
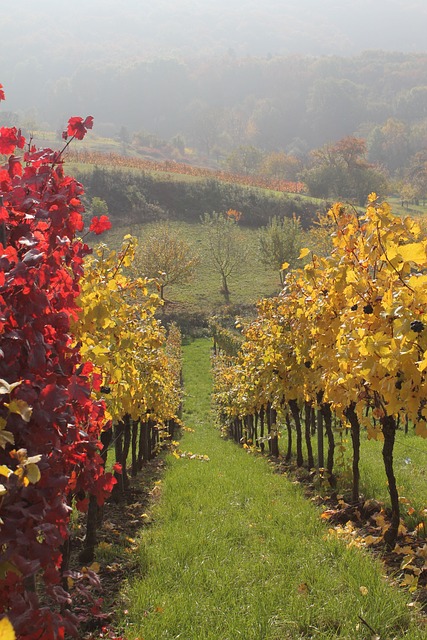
x: 412, y: 210
x: 235, y: 551
x: 251, y: 282
x: 410, y: 458
x: 410, y: 466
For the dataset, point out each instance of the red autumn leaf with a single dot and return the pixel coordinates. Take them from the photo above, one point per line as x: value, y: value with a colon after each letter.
x: 15, y: 166
x: 10, y: 138
x: 117, y: 467
x: 82, y: 505
x: 86, y: 369
x: 99, y: 225
x: 96, y: 382
x: 2, y: 96
x: 78, y: 127
x: 4, y: 214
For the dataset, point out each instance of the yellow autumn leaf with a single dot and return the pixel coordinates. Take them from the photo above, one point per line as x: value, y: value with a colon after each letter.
x: 6, y: 567
x: 421, y: 428
x: 413, y: 252
x: 5, y: 387
x: 398, y: 550
x: 284, y: 266
x: 407, y: 560
x: 95, y: 566
x: 21, y: 408
x: 33, y: 473
x: 6, y: 630
x: 303, y: 253
x: 371, y: 540
x: 410, y: 581
x: 364, y: 590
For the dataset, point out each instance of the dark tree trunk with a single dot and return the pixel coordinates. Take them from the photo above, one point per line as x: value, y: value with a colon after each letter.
x: 261, y: 422
x: 273, y: 445
x: 95, y: 512
x: 146, y: 427
x: 245, y: 434
x: 256, y: 429
x: 140, y: 458
x: 126, y: 448
x: 388, y: 425
x: 250, y: 429
x: 313, y: 421
x: 327, y: 415
x: 320, y: 444
x: 118, y: 488
x: 225, y: 290
x: 289, y: 428
x: 351, y: 416
x: 293, y: 405
x: 307, y: 433
x: 106, y: 439
x: 274, y: 437
x: 134, y: 469
x: 154, y: 439
x: 87, y: 554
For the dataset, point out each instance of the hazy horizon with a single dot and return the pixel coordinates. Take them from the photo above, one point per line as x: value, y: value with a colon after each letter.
x: 279, y: 74
x: 109, y: 29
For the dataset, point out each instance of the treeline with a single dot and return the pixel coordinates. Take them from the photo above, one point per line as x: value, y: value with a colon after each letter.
x: 293, y: 103
x: 141, y: 197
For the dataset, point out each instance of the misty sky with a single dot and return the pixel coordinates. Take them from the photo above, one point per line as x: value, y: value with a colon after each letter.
x: 110, y: 28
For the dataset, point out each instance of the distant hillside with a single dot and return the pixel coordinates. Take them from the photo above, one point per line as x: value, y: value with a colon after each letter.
x: 138, y: 197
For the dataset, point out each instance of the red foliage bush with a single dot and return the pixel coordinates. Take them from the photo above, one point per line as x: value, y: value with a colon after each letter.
x: 41, y: 262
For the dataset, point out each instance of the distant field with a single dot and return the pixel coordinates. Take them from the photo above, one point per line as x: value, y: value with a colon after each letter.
x: 406, y: 210
x: 253, y: 280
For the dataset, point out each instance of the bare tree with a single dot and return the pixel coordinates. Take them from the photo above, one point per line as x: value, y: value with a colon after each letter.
x: 226, y: 244
x: 280, y: 242
x: 164, y: 255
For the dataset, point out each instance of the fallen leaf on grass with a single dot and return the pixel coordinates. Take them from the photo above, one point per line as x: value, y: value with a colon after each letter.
x: 303, y: 589
x: 402, y: 550
x: 372, y: 540
x: 328, y: 514
x: 103, y: 546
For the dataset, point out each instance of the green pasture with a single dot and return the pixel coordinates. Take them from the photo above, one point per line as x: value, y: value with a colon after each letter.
x: 236, y: 551
x: 251, y: 282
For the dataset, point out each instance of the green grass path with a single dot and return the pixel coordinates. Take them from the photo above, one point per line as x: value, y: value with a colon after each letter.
x: 235, y: 551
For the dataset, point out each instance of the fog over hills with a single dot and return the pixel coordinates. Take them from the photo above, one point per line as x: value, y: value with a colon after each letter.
x: 216, y: 73
x: 107, y: 29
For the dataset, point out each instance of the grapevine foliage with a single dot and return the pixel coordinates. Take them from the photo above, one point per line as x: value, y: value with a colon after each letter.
x: 347, y: 334
x: 49, y: 422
